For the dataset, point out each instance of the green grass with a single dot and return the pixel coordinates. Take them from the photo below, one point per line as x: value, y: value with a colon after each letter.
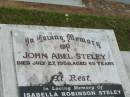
x: 121, y: 26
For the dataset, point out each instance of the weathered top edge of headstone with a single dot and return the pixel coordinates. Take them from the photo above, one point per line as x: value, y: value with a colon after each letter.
x: 32, y: 27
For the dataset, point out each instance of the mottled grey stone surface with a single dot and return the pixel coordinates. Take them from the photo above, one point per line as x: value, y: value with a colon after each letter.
x: 9, y: 82
x: 126, y: 59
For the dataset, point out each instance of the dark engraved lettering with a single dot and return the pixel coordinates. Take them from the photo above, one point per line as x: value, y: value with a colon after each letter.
x: 32, y: 55
x: 39, y: 63
x: 90, y: 56
x: 29, y: 40
x: 51, y: 63
x: 42, y: 38
x: 79, y: 78
x: 71, y: 37
x: 23, y: 62
x: 105, y: 63
x: 71, y: 63
x: 61, y: 56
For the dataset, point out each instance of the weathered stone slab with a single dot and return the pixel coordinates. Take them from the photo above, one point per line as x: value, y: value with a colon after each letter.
x: 94, y: 45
